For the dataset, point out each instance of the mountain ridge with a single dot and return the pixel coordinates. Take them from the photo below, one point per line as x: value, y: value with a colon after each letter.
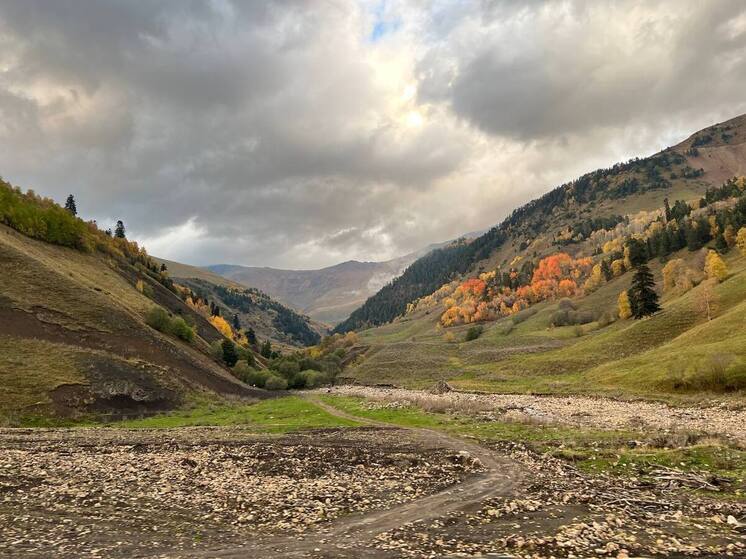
x: 715, y: 153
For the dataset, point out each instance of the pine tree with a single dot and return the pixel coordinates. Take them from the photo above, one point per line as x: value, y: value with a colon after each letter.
x: 119, y: 230
x: 230, y: 355
x: 267, y: 349
x: 251, y: 336
x: 70, y: 205
x: 642, y: 296
x: 164, y: 268
x: 236, y: 323
x: 667, y: 209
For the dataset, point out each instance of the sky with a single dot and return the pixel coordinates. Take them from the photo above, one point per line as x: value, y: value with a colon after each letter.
x: 299, y: 134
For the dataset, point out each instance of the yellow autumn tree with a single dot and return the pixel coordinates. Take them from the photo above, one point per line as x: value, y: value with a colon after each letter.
x: 741, y: 240
x: 222, y: 326
x: 617, y: 267
x: 715, y: 267
x: 625, y: 309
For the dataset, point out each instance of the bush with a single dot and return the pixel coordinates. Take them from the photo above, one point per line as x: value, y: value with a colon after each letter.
x: 181, y: 329
x: 567, y: 317
x: 257, y: 378
x: 473, y: 333
x: 275, y: 383
x: 158, y: 319
x: 566, y: 304
x: 313, y: 379
x: 524, y: 315
x: 719, y: 372
x: 242, y: 371
x: 216, y: 351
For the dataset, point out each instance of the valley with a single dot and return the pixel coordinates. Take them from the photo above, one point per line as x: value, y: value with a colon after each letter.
x: 569, y: 383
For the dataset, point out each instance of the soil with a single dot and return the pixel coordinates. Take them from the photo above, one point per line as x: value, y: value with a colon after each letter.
x: 371, y: 492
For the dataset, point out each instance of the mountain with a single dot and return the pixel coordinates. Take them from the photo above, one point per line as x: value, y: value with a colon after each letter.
x: 327, y: 295
x: 589, y: 203
x: 543, y: 302
x: 269, y: 319
x: 74, y: 311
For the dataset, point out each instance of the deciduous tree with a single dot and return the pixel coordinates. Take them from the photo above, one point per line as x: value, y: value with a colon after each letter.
x: 715, y: 268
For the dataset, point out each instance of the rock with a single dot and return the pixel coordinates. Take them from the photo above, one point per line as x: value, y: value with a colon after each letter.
x: 440, y: 387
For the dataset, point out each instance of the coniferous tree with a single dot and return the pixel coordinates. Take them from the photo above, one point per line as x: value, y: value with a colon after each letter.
x: 642, y: 296
x: 667, y: 209
x: 230, y: 355
x: 251, y: 336
x: 236, y: 323
x: 119, y: 232
x: 266, y: 349
x: 70, y: 205
x: 164, y: 268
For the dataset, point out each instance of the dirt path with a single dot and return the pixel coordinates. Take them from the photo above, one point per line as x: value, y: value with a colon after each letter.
x: 499, y: 477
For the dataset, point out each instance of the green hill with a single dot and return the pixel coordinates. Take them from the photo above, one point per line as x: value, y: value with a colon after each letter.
x: 575, y: 342
x: 569, y: 213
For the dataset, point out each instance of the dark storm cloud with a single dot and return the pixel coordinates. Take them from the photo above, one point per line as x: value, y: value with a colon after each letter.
x: 291, y: 133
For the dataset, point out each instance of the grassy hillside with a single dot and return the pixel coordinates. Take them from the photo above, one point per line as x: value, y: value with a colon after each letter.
x: 561, y: 217
x: 676, y: 354
x: 73, y: 337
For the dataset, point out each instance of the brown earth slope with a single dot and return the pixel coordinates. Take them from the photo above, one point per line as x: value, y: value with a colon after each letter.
x: 73, y: 338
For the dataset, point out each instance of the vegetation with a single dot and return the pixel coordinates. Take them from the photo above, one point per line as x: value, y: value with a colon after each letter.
x: 643, y: 299
x: 160, y: 320
x: 278, y: 415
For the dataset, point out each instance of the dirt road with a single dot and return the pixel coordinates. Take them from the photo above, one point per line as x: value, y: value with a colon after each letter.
x: 498, y: 477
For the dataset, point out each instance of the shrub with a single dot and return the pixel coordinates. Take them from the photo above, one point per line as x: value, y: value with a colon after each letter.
x: 276, y: 383
x: 181, y: 329
x: 473, y: 333
x: 313, y: 379
x: 524, y: 315
x: 257, y: 378
x: 158, y: 319
x: 719, y: 372
x: 216, y: 350
x: 242, y: 371
x: 566, y: 304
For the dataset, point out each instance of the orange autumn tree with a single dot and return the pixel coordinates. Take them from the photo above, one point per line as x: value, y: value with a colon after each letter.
x: 484, y: 298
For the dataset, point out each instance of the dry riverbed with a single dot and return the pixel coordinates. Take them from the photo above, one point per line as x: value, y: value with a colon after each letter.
x: 141, y: 493
x: 580, y: 411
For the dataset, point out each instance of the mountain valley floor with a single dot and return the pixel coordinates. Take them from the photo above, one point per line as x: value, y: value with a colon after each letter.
x: 332, y: 474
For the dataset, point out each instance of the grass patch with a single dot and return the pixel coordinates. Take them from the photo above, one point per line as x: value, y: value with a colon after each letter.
x: 30, y: 369
x: 279, y: 415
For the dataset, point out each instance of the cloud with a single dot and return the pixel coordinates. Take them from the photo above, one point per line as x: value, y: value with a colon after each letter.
x: 299, y: 134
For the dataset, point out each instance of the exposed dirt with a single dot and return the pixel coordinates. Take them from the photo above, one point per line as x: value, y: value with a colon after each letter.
x: 140, y: 493
x: 371, y: 492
